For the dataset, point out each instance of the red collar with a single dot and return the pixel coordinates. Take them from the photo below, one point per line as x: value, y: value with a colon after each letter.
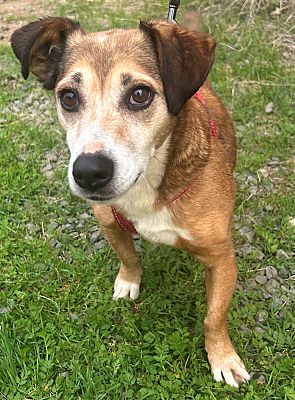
x: 124, y: 223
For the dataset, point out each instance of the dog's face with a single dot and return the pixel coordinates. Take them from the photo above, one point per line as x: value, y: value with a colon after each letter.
x: 117, y: 93
x: 111, y: 102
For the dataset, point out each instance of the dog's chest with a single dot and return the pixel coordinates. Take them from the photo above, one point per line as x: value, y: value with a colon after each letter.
x: 158, y: 227
x: 140, y: 205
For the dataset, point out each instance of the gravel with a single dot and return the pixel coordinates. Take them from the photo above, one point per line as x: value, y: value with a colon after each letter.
x: 101, y: 244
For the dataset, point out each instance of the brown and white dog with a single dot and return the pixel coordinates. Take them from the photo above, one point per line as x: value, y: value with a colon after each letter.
x: 152, y: 148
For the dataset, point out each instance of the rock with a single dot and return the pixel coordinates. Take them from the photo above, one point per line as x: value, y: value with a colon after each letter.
x: 261, y: 380
x: 261, y: 278
x: 259, y: 330
x: 32, y: 228
x: 276, y: 302
x: 5, y: 310
x: 73, y: 316
x: 281, y: 315
x: 68, y: 227
x: 49, y: 174
x: 246, y: 249
x: 64, y: 374
x: 244, y: 329
x: 264, y: 172
x: 259, y: 254
x: 283, y: 273
x: 137, y: 245
x: 84, y: 216
x: 274, y: 163
x: 47, y: 167
x: 269, y: 108
x: 272, y: 286
x: 51, y: 156
x: 281, y: 254
x: 247, y: 232
x: 268, y: 207
x: 94, y: 236
x: 271, y: 272
x: 55, y: 244
x: 262, y: 316
x: 53, y: 225
x: 100, y: 245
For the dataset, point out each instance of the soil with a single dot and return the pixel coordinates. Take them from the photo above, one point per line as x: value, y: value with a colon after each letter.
x: 15, y: 13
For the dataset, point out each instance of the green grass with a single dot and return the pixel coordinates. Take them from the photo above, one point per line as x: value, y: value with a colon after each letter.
x: 61, y: 335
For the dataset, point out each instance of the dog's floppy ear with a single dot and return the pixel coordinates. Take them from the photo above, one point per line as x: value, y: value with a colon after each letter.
x: 185, y: 59
x: 40, y: 45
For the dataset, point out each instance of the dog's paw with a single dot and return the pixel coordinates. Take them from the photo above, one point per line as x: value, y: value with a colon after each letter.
x: 124, y: 289
x: 229, y: 369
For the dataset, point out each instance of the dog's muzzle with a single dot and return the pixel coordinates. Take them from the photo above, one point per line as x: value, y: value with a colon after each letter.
x: 93, y: 171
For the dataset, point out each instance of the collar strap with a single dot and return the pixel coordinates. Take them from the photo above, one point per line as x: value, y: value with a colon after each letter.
x: 199, y: 96
x: 124, y: 223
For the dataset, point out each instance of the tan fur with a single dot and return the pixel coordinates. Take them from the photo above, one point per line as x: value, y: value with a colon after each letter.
x: 170, y: 143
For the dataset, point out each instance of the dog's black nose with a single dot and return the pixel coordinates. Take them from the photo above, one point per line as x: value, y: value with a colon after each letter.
x: 93, y: 171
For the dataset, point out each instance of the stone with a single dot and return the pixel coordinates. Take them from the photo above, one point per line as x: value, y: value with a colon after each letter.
x: 244, y: 329
x: 261, y: 380
x: 247, y: 232
x: 271, y: 272
x: 259, y: 330
x: 272, y: 286
x: 262, y: 316
x: 73, y: 316
x: 53, y: 225
x: 100, y: 245
x: 94, y: 236
x: 281, y: 254
x: 261, y: 278
x: 269, y: 108
x: 274, y: 163
x: 283, y: 273
x: 68, y: 227
x: 84, y: 216
x: 5, y: 310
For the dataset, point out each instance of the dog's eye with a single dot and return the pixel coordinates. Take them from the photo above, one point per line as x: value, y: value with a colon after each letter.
x: 69, y: 100
x: 141, y: 96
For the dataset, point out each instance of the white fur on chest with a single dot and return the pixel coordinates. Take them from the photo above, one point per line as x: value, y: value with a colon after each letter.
x: 158, y: 227
x: 138, y: 204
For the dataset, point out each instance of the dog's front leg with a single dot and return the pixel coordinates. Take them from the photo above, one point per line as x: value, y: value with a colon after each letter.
x: 221, y: 277
x: 128, y: 279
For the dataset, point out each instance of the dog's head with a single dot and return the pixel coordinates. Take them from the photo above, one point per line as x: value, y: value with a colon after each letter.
x: 117, y: 93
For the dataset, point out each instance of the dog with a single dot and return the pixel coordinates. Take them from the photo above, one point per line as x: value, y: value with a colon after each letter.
x: 152, y: 149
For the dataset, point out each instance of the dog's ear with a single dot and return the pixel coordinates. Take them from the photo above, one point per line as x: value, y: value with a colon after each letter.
x: 40, y: 46
x: 185, y: 59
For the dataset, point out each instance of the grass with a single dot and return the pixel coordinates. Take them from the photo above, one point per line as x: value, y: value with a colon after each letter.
x: 62, y: 337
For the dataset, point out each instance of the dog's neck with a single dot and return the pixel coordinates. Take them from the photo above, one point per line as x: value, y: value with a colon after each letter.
x: 188, y: 151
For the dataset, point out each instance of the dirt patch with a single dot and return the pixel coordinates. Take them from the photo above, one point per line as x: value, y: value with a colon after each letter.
x: 15, y: 13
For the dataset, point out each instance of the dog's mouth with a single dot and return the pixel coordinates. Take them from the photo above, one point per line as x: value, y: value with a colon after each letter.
x: 99, y: 198
x: 102, y: 198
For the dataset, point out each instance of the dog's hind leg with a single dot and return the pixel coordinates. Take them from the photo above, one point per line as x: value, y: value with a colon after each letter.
x: 221, y: 277
x: 128, y: 279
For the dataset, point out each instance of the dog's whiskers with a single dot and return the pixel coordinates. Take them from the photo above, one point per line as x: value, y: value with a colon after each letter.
x: 141, y: 174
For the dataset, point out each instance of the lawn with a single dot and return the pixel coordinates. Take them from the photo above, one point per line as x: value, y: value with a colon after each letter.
x: 61, y: 334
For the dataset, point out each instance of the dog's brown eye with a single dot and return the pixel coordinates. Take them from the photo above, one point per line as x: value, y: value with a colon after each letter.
x: 69, y: 100
x: 141, y: 96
